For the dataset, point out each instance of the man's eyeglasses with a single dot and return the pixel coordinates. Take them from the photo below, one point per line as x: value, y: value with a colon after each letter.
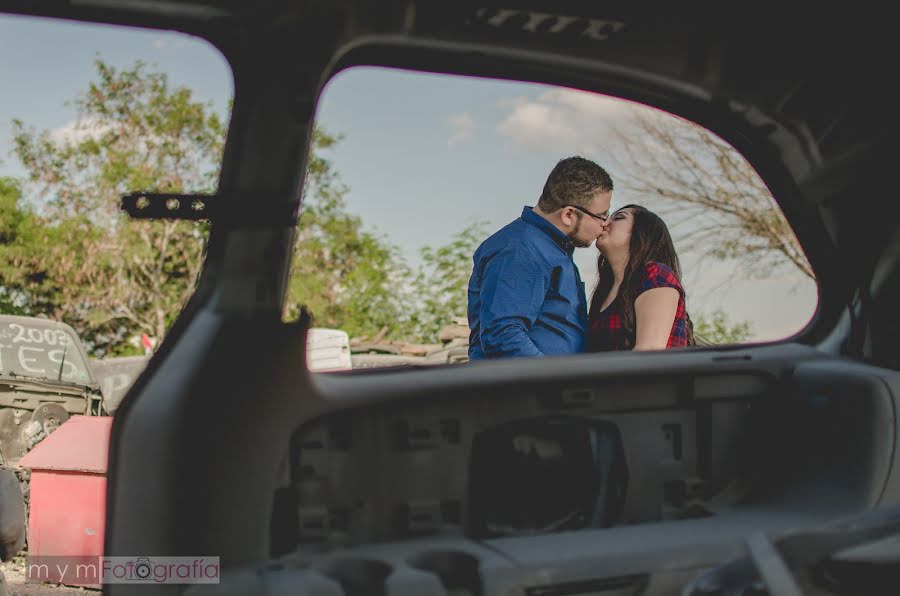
x: 601, y: 216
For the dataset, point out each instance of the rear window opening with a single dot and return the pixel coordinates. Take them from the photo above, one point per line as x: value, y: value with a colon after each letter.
x: 411, y: 172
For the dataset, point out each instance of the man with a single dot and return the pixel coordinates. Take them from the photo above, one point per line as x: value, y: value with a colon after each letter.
x: 526, y: 297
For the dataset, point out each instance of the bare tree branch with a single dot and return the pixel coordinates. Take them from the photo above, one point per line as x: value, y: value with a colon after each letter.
x: 720, y: 205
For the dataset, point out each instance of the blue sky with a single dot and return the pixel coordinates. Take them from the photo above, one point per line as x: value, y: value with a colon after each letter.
x: 45, y: 63
x: 423, y: 154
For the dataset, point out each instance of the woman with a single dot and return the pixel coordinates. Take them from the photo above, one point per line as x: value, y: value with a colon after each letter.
x: 639, y: 301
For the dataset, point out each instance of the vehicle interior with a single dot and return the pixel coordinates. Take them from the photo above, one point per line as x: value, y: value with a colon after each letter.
x: 768, y: 468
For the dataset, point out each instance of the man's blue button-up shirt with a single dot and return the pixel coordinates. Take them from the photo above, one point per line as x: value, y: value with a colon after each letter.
x: 526, y: 297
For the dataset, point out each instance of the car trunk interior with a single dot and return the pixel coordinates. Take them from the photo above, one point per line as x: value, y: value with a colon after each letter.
x: 715, y: 447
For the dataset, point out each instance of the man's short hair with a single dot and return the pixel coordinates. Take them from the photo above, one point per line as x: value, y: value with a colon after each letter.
x: 573, y: 181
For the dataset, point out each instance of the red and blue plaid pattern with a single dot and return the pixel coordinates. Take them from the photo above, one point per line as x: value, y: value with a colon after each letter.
x: 605, y: 329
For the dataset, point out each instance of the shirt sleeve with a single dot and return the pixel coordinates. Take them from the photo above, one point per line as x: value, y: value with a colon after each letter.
x: 658, y: 275
x: 514, y: 285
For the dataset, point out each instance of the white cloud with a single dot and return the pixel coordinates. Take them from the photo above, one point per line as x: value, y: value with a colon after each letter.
x: 160, y: 44
x: 463, y: 126
x: 564, y: 119
x: 77, y: 131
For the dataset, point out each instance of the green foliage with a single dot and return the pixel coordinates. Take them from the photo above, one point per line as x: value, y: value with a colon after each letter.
x: 36, y: 255
x: 75, y: 258
x: 442, y: 284
x: 107, y: 276
x: 346, y: 277
x: 14, y: 225
x: 715, y: 328
x: 352, y: 279
x: 132, y: 132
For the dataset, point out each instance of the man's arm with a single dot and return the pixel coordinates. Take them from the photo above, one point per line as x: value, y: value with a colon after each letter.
x: 513, y: 287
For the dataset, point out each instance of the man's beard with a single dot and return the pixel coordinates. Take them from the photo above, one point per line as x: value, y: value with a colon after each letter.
x: 577, y: 241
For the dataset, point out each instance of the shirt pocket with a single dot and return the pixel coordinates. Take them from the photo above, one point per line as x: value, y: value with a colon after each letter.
x: 561, y: 301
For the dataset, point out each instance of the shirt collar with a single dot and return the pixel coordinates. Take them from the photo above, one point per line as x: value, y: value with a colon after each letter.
x: 557, y: 235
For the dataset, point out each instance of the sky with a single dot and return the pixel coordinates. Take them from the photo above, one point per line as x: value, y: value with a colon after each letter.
x: 424, y: 155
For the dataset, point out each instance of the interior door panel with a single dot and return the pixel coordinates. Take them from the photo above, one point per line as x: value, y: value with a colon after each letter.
x: 716, y: 449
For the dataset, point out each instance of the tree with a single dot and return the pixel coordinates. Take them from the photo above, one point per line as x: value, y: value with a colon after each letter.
x: 16, y: 228
x: 37, y: 257
x: 132, y: 132
x: 715, y: 328
x: 113, y: 277
x: 442, y: 283
x: 707, y: 185
x: 345, y: 276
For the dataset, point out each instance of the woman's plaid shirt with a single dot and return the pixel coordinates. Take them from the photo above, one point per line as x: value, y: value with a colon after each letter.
x: 605, y: 330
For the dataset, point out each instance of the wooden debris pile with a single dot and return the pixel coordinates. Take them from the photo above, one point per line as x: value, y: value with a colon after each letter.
x: 451, y: 336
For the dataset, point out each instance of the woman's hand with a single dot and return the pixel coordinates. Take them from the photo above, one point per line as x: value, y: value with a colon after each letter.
x: 654, y: 314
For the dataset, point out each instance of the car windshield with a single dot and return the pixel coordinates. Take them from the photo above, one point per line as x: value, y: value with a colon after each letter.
x: 40, y: 349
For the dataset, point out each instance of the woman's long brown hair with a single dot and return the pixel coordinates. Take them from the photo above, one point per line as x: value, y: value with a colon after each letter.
x: 650, y: 241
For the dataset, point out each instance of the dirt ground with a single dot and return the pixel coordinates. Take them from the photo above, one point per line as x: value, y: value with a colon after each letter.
x: 16, y: 584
